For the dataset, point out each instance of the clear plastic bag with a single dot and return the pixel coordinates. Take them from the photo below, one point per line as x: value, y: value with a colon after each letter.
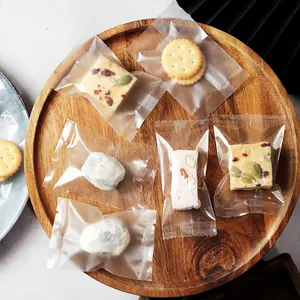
x: 73, y: 149
x: 222, y: 77
x: 192, y: 137
x: 128, y: 116
x: 66, y: 244
x: 245, y: 130
x: 8, y: 125
x: 9, y: 128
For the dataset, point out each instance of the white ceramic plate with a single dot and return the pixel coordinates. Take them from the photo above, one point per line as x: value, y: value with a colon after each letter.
x: 13, y: 126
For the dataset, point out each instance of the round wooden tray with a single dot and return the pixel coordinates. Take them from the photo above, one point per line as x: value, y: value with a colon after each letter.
x: 190, y: 265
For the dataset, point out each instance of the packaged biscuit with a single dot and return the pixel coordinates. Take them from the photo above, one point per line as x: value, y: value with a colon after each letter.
x: 248, y: 148
x: 121, y: 243
x: 13, y: 123
x: 183, y: 152
x: 11, y: 152
x: 197, y: 72
x: 123, y: 98
x: 88, y: 165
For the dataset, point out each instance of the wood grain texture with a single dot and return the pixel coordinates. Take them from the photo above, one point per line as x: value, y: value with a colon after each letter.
x: 181, y: 266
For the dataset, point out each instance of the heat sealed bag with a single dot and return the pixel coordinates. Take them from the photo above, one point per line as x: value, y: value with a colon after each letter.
x: 248, y: 148
x: 13, y: 122
x: 9, y: 133
x: 183, y: 152
x: 122, y: 243
x: 123, y: 98
x: 197, y: 72
x: 89, y: 165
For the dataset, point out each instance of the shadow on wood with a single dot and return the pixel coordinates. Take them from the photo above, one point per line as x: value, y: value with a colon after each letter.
x: 275, y: 280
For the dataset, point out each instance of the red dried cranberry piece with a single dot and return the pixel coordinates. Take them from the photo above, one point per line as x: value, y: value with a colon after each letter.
x: 110, y: 101
x: 265, y: 173
x: 235, y: 159
x: 97, y: 92
x: 265, y: 144
x: 107, y: 72
x: 95, y: 71
x: 245, y: 154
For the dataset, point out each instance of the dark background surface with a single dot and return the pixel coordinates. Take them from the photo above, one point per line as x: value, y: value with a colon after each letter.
x: 270, y: 27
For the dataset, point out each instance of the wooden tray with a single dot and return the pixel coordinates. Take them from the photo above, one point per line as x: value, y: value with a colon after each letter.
x: 181, y: 266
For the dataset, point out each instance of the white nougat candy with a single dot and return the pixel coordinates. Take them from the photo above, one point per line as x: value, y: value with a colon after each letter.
x: 108, y: 237
x: 184, y: 189
x: 103, y: 171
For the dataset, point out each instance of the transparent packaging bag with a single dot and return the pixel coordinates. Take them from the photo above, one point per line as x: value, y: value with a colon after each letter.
x: 266, y: 131
x: 77, y: 144
x: 222, y: 77
x: 9, y: 126
x: 192, y: 138
x: 9, y: 131
x: 68, y: 248
x: 127, y: 116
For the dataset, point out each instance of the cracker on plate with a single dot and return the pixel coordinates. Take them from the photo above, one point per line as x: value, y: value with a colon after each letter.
x: 10, y: 159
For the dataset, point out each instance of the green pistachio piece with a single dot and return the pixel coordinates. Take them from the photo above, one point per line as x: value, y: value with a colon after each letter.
x: 247, y: 178
x: 256, y: 170
x: 124, y: 80
x: 236, y: 172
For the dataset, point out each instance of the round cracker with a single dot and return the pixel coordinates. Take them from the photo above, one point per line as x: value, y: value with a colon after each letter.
x: 196, y: 77
x: 10, y: 159
x: 181, y: 59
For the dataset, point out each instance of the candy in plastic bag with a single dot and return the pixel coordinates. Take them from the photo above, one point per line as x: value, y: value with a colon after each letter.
x: 121, y: 243
x: 89, y: 165
x: 123, y: 98
x: 183, y: 152
x: 248, y: 148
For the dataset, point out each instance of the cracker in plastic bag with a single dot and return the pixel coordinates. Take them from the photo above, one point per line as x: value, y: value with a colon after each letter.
x: 122, y: 243
x: 89, y: 165
x: 183, y: 153
x: 8, y: 136
x: 197, y: 72
x: 248, y: 148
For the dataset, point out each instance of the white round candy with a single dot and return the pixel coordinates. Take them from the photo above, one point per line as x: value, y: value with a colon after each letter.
x: 103, y: 171
x: 106, y: 237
